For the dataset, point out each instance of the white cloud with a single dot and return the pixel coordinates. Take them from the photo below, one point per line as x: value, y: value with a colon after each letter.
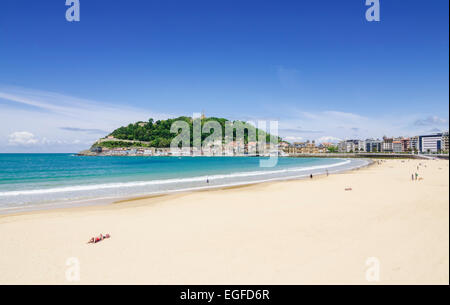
x: 87, y: 113
x: 62, y: 123
x: 22, y: 138
x: 431, y: 121
x: 328, y: 139
x: 344, y: 115
x: 59, y: 122
x: 332, y: 125
x: 292, y: 138
x: 26, y: 138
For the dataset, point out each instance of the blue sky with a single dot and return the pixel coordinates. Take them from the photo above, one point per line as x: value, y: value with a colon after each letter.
x: 318, y: 67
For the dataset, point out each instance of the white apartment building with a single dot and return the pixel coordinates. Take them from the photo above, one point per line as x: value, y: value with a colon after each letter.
x: 373, y: 145
x: 352, y: 146
x: 361, y: 146
x: 397, y: 146
x: 414, y: 143
x: 388, y: 145
x: 430, y: 143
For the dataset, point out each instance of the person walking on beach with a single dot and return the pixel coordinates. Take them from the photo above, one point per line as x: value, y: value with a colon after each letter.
x: 417, y: 175
x: 327, y: 172
x: 311, y: 176
x: 412, y: 177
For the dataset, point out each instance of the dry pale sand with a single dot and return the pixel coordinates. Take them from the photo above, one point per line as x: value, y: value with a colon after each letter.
x: 292, y: 232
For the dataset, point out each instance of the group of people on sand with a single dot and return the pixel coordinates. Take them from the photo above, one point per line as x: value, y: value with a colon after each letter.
x: 99, y: 238
x: 415, y: 176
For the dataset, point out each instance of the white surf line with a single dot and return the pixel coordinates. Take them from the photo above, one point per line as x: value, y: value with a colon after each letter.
x: 110, y: 199
x: 166, y: 181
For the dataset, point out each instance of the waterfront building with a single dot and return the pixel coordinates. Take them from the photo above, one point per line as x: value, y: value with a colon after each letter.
x: 283, y: 145
x: 148, y: 152
x: 373, y: 145
x: 414, y: 143
x: 397, y: 146
x: 388, y: 145
x: 445, y: 144
x: 308, y: 147
x: 361, y: 146
x: 349, y: 146
x: 328, y: 144
x: 405, y: 144
x: 430, y: 143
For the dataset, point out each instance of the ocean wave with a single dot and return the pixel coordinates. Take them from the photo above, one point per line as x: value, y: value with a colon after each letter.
x: 104, y: 186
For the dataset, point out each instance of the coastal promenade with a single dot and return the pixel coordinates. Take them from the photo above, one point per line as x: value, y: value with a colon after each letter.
x: 373, y: 155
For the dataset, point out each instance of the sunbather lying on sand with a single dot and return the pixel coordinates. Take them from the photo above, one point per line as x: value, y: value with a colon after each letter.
x: 99, y: 238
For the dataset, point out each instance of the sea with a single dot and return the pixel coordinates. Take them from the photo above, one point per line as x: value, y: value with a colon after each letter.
x: 43, y: 181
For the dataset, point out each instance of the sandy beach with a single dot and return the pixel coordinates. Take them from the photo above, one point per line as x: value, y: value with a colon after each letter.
x: 289, y: 232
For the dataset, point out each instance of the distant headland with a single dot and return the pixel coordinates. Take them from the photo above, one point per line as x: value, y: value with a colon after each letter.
x: 153, y: 138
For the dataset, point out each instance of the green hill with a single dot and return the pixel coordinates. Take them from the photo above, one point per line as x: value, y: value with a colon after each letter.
x: 157, y: 133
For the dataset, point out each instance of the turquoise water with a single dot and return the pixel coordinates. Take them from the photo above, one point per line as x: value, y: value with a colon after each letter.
x: 33, y: 179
